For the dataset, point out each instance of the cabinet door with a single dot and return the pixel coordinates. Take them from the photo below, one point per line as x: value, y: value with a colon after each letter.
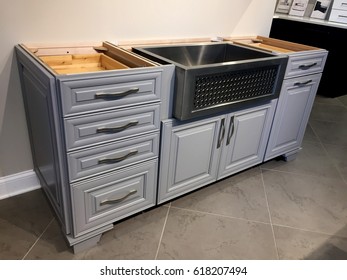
x: 292, y: 113
x: 246, y: 139
x: 189, y: 157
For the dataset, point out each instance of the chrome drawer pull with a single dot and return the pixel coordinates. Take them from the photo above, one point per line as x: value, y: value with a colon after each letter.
x: 231, y: 129
x: 307, y: 66
x: 103, y: 95
x: 117, y: 199
x: 116, y: 129
x: 221, y: 133
x: 116, y: 160
x: 302, y: 83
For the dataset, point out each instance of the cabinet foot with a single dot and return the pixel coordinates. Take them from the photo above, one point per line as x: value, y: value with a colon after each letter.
x: 87, y: 241
x: 87, y: 244
x: 291, y: 155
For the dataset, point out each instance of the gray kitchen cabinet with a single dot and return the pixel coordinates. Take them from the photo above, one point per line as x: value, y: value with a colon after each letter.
x: 299, y: 88
x: 292, y: 114
x: 197, y: 153
x: 93, y: 115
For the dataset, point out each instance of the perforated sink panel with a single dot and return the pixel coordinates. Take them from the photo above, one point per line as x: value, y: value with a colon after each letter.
x: 211, y: 90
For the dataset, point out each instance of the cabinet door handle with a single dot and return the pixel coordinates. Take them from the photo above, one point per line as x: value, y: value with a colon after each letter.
x: 115, y: 95
x: 231, y: 129
x: 117, y: 199
x: 221, y: 133
x: 307, y: 66
x: 116, y: 129
x: 116, y: 160
x: 302, y: 83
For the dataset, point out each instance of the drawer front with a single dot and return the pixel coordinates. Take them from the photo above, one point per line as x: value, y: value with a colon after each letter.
x: 106, y: 199
x: 90, y: 162
x: 115, y: 125
x: 340, y: 4
x: 80, y: 96
x: 300, y: 65
x: 338, y: 16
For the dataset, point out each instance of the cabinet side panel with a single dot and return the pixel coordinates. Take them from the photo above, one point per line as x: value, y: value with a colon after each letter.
x: 40, y: 128
x: 38, y: 90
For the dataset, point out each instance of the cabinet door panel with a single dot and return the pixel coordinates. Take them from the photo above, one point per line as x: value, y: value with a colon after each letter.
x: 292, y: 115
x: 246, y: 146
x: 189, y: 157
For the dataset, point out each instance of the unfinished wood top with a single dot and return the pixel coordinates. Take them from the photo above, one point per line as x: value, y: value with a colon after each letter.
x: 273, y: 45
x: 81, y: 58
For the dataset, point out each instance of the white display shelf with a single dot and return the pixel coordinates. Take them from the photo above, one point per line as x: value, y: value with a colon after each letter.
x: 311, y: 20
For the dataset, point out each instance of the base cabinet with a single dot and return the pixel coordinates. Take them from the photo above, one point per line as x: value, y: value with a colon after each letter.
x: 292, y: 114
x: 299, y: 88
x: 103, y: 152
x: 94, y: 126
x: 198, y: 153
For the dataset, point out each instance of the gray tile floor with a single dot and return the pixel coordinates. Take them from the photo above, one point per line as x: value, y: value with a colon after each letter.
x: 279, y: 210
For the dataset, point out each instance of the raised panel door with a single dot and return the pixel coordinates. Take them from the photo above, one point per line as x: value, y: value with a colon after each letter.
x: 292, y: 113
x: 246, y: 139
x: 189, y: 157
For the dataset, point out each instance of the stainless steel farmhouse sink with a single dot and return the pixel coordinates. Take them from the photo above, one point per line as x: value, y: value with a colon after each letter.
x: 213, y: 77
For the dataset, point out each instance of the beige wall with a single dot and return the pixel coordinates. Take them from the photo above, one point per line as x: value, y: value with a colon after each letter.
x: 46, y: 21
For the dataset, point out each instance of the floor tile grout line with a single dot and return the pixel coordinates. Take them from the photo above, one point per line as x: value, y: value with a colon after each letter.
x: 298, y: 173
x: 37, y: 240
x: 268, y: 209
x: 288, y: 172
x: 220, y: 215
x: 162, y: 232
x: 308, y: 230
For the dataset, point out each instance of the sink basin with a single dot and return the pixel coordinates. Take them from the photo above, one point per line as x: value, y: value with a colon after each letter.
x: 216, y: 77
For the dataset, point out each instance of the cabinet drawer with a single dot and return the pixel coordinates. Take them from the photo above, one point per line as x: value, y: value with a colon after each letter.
x: 305, y: 64
x: 106, y: 199
x: 89, y: 162
x: 338, y: 16
x: 340, y: 4
x: 84, y: 95
x: 97, y: 128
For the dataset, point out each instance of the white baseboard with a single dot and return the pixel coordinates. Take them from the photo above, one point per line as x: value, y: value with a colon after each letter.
x: 18, y: 183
